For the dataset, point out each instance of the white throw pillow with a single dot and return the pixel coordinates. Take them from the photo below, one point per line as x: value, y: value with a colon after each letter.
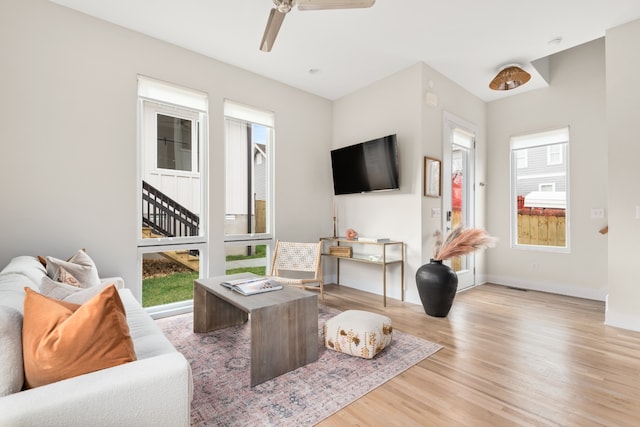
x: 11, y: 364
x: 84, y: 295
x: 57, y: 290
x: 80, y: 266
x: 69, y: 293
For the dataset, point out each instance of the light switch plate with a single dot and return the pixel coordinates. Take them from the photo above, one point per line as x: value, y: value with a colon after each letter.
x: 597, y: 213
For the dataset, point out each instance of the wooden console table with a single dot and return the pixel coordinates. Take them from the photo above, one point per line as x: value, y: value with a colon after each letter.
x: 381, y: 257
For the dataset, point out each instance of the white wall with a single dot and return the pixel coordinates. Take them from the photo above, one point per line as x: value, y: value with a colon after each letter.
x: 68, y: 120
x: 397, y: 105
x: 575, y: 97
x: 456, y: 101
x: 623, y: 118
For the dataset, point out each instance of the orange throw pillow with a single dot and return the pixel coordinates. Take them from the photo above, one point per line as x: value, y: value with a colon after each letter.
x: 61, y: 340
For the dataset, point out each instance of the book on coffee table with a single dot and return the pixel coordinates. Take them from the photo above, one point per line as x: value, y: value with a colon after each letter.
x: 251, y: 286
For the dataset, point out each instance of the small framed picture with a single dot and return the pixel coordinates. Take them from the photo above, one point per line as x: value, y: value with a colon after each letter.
x: 432, y: 177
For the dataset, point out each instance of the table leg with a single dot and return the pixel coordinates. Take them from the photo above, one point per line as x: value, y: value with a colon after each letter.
x: 211, y: 313
x: 384, y: 284
x: 283, y: 338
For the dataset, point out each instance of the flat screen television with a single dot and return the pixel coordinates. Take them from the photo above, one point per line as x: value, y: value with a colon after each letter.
x: 367, y: 166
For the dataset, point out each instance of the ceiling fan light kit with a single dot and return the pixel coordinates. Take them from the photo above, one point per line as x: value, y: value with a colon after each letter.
x: 284, y: 6
x: 510, y: 77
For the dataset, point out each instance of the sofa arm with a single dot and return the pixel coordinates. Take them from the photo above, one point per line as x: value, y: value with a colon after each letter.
x: 149, y: 392
x: 118, y: 281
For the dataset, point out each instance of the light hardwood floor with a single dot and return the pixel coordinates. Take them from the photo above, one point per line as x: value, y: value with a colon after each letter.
x: 510, y: 358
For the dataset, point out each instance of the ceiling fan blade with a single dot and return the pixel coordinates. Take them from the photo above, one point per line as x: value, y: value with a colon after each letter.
x: 271, y: 31
x: 333, y: 4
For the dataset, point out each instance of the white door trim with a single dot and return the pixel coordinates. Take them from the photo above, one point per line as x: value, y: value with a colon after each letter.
x: 451, y: 123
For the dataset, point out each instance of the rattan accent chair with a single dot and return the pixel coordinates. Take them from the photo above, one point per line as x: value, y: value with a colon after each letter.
x: 298, y: 264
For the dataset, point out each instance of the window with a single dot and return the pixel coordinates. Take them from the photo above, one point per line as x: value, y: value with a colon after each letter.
x: 521, y: 159
x: 246, y: 258
x: 248, y: 170
x: 172, y: 123
x: 540, y: 194
x: 554, y: 155
x: 174, y: 146
x: 172, y: 135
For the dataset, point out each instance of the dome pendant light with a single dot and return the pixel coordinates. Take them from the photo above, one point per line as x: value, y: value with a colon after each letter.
x: 510, y: 77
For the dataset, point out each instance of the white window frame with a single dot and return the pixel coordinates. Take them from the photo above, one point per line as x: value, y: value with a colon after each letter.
x: 236, y: 111
x: 175, y: 100
x: 194, y: 118
x: 551, y: 153
x: 179, y: 307
x: 546, y: 138
x: 547, y: 184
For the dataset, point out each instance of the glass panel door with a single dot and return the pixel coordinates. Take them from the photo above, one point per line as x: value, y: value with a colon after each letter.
x: 459, y: 197
x: 457, y: 190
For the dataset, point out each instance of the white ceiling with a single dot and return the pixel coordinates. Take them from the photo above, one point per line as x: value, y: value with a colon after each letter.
x: 465, y: 40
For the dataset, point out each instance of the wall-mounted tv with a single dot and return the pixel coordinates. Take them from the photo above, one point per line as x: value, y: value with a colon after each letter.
x: 367, y: 166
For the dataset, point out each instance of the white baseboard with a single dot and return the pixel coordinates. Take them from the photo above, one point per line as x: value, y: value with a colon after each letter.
x: 621, y: 320
x: 553, y: 288
x: 481, y: 279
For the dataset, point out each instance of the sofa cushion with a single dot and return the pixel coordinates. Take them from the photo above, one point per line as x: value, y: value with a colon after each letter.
x: 26, y: 266
x: 62, y: 340
x: 12, y: 289
x: 11, y: 370
x: 80, y: 266
x: 148, y: 339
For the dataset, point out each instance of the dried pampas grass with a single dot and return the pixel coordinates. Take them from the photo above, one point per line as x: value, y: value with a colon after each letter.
x: 461, y: 241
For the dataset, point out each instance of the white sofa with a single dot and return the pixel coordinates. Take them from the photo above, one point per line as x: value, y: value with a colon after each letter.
x: 155, y: 390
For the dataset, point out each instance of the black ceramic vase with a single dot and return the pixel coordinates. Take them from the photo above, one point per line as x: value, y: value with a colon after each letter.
x: 437, y: 284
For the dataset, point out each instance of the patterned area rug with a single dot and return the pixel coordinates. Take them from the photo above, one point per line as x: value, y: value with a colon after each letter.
x: 222, y: 395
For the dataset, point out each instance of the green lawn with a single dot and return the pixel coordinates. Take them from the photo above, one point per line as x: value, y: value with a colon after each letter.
x: 167, y: 289
x: 260, y: 271
x: 261, y: 252
x: 179, y: 286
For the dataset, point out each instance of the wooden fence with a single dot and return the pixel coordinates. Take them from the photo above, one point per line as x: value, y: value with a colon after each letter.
x: 261, y: 216
x: 541, y: 226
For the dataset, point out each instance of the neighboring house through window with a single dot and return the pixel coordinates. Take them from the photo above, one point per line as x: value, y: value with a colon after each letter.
x: 249, y: 140
x: 521, y: 159
x: 540, y: 190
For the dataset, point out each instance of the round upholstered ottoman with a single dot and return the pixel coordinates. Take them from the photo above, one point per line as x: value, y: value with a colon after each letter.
x: 358, y: 333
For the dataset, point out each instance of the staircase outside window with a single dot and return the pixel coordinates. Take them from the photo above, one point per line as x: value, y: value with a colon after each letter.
x: 172, y: 195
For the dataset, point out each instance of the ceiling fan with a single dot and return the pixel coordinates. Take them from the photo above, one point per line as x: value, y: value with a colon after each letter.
x: 284, y: 6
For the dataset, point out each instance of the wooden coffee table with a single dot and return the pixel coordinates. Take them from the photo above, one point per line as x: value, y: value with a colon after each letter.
x: 284, y: 323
